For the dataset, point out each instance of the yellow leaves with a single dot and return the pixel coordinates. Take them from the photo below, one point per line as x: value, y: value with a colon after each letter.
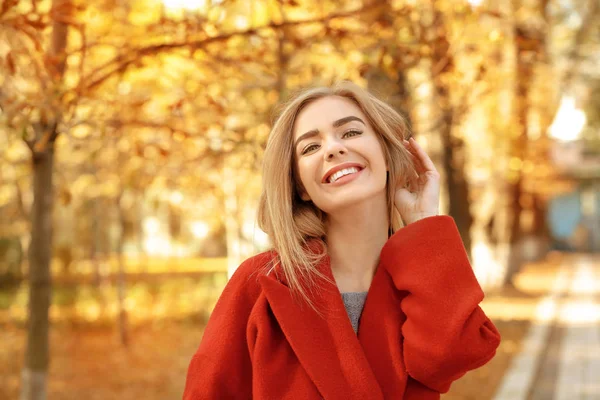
x: 7, y: 194
x: 463, y: 6
x: 211, y: 30
x: 272, y: 96
x: 404, y: 34
x: 259, y: 133
x: 241, y: 22
x: 387, y: 60
x: 188, y: 5
x: 151, y: 152
x: 261, y: 14
x: 16, y: 152
x: 82, y: 184
x: 425, y: 50
x: 178, y: 137
x: 110, y: 185
x: 356, y: 56
x: 143, y: 13
x: 495, y: 35
x: 216, y: 14
x: 515, y: 164
x: 528, y: 167
x: 81, y: 131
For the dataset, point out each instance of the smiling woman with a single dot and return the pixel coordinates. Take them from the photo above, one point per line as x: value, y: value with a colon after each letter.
x: 367, y: 292
x: 339, y: 140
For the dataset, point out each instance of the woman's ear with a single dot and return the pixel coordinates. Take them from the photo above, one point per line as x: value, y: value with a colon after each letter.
x: 302, y: 192
x: 304, y: 196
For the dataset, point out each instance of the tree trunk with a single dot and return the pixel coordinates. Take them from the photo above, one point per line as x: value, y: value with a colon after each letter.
x: 405, y: 96
x: 454, y: 149
x: 456, y: 182
x: 96, y: 229
x: 282, y: 59
x: 139, y: 235
x: 121, y: 290
x: 37, y: 352
x: 529, y: 47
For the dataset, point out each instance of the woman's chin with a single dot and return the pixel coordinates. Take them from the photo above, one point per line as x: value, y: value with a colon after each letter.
x: 354, y: 200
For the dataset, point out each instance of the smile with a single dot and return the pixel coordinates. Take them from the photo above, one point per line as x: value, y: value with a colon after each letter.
x: 345, y: 175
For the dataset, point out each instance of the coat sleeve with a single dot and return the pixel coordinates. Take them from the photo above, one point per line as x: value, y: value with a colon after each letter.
x: 221, y: 367
x: 446, y: 333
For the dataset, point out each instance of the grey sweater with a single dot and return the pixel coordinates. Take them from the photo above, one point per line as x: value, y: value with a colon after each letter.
x: 354, y: 303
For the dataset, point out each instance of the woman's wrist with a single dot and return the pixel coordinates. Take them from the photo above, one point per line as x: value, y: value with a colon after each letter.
x: 418, y: 217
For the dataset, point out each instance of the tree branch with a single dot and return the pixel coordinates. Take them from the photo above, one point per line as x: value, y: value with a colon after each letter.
x: 135, y: 55
x: 49, y: 133
x: 116, y: 123
x: 581, y: 35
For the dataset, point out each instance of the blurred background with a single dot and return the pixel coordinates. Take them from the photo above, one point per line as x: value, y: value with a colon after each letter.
x: 131, y: 141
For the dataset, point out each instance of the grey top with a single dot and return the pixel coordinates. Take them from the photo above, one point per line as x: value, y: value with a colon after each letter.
x: 354, y: 303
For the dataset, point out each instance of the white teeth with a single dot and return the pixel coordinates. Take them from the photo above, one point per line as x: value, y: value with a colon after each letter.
x: 346, y: 171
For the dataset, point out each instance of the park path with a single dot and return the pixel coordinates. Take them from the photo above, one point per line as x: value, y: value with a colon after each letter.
x: 560, y: 356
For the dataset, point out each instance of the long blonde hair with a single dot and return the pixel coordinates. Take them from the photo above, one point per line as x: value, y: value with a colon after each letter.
x: 291, y: 222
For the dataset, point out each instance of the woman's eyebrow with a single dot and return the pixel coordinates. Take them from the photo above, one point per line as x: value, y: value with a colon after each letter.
x: 336, y: 124
x: 345, y: 120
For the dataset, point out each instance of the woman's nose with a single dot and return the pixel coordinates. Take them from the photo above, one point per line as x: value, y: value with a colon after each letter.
x: 334, y: 148
x: 332, y: 154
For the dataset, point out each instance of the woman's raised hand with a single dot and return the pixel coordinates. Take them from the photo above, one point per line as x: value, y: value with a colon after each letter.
x: 418, y: 197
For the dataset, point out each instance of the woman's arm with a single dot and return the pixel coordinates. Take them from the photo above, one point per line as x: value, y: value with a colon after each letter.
x: 221, y: 367
x: 446, y: 333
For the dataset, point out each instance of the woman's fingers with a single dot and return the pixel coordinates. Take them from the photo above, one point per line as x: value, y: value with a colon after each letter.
x: 422, y: 156
x: 419, y: 167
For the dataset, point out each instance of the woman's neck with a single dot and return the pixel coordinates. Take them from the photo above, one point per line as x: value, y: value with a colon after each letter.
x: 355, y: 237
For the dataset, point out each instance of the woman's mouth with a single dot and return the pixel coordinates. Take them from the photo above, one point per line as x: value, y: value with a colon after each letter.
x: 344, y: 176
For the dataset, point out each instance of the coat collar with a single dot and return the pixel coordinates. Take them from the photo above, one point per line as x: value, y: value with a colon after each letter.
x: 340, y: 364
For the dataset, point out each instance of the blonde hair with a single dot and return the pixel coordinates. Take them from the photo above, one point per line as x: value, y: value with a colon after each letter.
x: 291, y: 228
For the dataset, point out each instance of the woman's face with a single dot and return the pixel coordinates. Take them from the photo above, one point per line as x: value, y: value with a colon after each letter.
x: 339, y: 158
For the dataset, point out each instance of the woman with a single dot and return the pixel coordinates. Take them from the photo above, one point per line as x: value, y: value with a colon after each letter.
x: 350, y: 304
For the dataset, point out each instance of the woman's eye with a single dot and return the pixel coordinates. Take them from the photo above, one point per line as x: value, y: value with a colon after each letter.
x: 313, y: 146
x: 352, y: 133
x: 309, y: 148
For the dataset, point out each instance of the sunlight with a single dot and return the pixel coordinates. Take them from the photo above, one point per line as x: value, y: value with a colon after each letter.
x: 184, y: 4
x: 569, y: 120
x: 485, y: 264
x: 581, y: 312
x: 89, y: 311
x: 241, y: 22
x: 151, y: 225
x: 176, y: 197
x: 200, y: 229
x: 259, y: 237
x: 158, y: 246
x: 546, y: 310
x: 155, y: 242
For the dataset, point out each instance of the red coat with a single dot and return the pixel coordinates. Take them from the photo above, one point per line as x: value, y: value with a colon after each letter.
x: 421, y: 329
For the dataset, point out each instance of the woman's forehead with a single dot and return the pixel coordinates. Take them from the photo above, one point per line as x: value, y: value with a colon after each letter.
x: 322, y: 113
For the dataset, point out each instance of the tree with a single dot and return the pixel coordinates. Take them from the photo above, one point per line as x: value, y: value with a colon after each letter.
x: 40, y: 133
x: 531, y: 34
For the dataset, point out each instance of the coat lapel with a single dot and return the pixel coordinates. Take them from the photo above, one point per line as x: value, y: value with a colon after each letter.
x: 380, y: 334
x: 327, y: 346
